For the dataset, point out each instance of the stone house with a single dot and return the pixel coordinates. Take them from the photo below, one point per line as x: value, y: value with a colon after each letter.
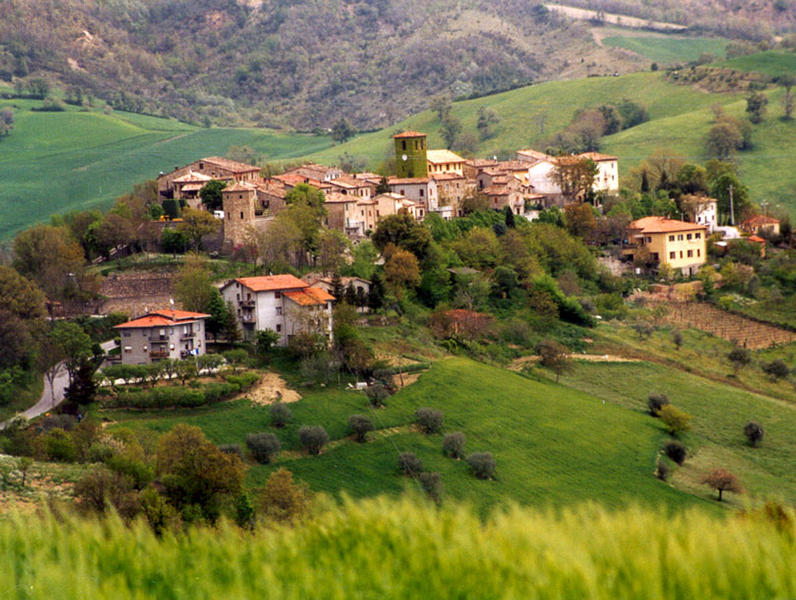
x: 162, y: 334
x: 214, y: 167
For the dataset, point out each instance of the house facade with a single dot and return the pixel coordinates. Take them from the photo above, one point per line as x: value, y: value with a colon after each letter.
x: 607, y: 179
x: 161, y: 335
x: 214, y: 167
x: 282, y: 303
x: 675, y: 243
x: 444, y: 161
x: 701, y: 210
x: 761, y: 224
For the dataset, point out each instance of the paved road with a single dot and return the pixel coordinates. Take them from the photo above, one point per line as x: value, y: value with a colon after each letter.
x: 50, y: 400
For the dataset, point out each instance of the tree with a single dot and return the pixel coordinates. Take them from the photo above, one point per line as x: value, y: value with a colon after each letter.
x: 83, y: 387
x: 677, y: 338
x: 74, y: 343
x: 580, y: 220
x: 195, y: 473
x: 482, y: 464
x: 754, y: 433
x: 283, y: 499
x: 193, y: 287
x: 722, y: 140
x: 313, y: 438
x: 403, y: 231
x: 217, y: 309
x: 231, y: 329
x: 675, y: 451
x: 776, y: 369
x: 211, y: 194
x: 280, y: 414
x: 739, y: 358
x: 401, y: 271
x: 756, y: 107
x: 554, y: 356
x: 453, y: 444
x: 655, y: 402
x: 263, y: 446
x: 235, y: 358
x: 342, y: 131
x: 6, y: 122
x: 360, y: 425
x: 429, y: 419
x: 487, y: 119
x: 574, y: 176
x: 112, y: 231
x: 432, y: 485
x: 376, y: 293
x: 450, y: 130
x: 52, y: 258
x: 409, y: 464
x: 721, y: 481
x: 442, y: 106
x: 196, y: 224
x: 264, y: 343
x: 675, y: 420
x: 786, y: 81
x: 20, y: 296
x: 333, y: 247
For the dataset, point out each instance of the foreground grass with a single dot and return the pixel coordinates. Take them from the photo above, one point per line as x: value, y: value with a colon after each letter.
x: 388, y: 549
x: 553, y: 445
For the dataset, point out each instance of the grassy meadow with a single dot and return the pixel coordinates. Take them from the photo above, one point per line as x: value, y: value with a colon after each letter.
x: 554, y: 445
x: 668, y: 49
x: 405, y: 549
x: 61, y: 161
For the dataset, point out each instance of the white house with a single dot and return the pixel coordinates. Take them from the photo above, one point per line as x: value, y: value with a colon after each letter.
x: 162, y: 334
x: 282, y: 303
x: 702, y: 210
x: 607, y: 179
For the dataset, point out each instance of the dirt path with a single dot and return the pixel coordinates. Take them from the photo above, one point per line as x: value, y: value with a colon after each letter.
x: 271, y: 388
x: 584, y: 14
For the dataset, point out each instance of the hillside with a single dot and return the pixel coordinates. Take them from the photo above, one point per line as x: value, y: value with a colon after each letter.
x: 295, y: 64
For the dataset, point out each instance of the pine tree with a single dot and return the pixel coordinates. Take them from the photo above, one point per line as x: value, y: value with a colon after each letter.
x: 218, y: 315
x: 337, y: 287
x: 83, y: 387
x: 376, y: 293
x: 351, y: 294
x: 510, y: 223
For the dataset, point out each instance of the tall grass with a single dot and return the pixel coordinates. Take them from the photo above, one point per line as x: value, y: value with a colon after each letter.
x: 405, y: 549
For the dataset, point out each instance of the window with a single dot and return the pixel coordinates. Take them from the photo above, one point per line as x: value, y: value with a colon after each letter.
x: 649, y: 240
x: 690, y: 254
x: 698, y: 236
x: 680, y: 237
x: 681, y: 254
x: 699, y: 253
x: 278, y: 328
x: 277, y: 294
x: 671, y: 238
x: 241, y: 214
x: 688, y: 236
x: 421, y: 193
x: 279, y: 310
x: 403, y: 144
x: 671, y: 255
x: 126, y: 334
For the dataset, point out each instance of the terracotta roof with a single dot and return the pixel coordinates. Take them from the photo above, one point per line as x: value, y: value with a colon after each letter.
x: 597, y: 157
x: 496, y: 190
x: 761, y: 220
x: 338, y: 198
x: 530, y: 152
x: 192, y: 177
x: 191, y: 187
x: 407, y: 180
x: 271, y: 283
x: 239, y: 187
x: 756, y: 238
x: 443, y: 156
x: 446, y: 176
x: 347, y: 181
x: 230, y: 165
x: 309, y: 296
x: 662, y: 225
x: 409, y: 134
x: 481, y: 162
x: 163, y: 318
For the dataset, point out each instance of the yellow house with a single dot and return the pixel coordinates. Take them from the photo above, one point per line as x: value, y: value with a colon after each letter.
x: 675, y: 243
x: 444, y: 161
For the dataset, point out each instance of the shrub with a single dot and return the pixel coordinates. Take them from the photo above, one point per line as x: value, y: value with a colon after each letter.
x: 244, y: 381
x: 676, y: 420
x: 429, y: 419
x: 663, y: 471
x: 231, y: 449
x: 59, y: 446
x: 313, y: 438
x: 754, y: 433
x: 739, y: 358
x: 483, y: 464
x: 263, y: 446
x: 432, y: 485
x: 675, y: 451
x: 453, y: 444
x: 377, y: 394
x: 776, y: 369
x: 283, y: 499
x: 360, y: 425
x: 409, y: 464
x: 655, y: 402
x: 280, y: 414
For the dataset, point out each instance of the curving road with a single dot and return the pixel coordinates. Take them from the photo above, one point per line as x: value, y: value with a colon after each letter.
x: 53, y: 396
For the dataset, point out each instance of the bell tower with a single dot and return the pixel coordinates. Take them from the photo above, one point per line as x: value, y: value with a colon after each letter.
x: 410, y: 154
x: 239, y: 201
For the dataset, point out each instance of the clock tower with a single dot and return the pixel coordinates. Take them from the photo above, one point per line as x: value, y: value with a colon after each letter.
x: 410, y: 154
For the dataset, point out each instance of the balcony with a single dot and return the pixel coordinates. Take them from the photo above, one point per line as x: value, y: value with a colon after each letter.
x: 159, y: 354
x: 158, y: 339
x: 246, y: 303
x: 184, y: 337
x: 248, y: 318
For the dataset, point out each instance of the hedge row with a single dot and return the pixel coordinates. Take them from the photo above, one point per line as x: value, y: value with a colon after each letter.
x: 182, y: 397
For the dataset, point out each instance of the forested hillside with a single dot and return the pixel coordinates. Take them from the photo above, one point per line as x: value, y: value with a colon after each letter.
x: 291, y: 63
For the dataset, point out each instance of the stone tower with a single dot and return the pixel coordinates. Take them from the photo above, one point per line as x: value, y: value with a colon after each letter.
x: 239, y: 200
x: 410, y: 154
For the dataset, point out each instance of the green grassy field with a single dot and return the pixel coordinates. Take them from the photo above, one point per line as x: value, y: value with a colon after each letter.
x: 773, y: 62
x: 553, y: 445
x: 669, y: 49
x: 719, y: 415
x: 406, y: 549
x: 61, y: 161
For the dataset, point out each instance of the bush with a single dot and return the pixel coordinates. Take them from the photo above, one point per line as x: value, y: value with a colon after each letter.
x: 313, y: 438
x: 663, y: 471
x: 360, y: 425
x: 776, y: 369
x: 409, y: 464
x: 432, y: 485
x: 244, y: 381
x: 656, y: 402
x: 231, y: 449
x: 59, y: 446
x: 453, y: 444
x: 263, y: 446
x: 675, y: 451
x: 483, y: 464
x: 280, y: 414
x: 377, y: 394
x: 676, y: 420
x: 754, y: 433
x: 429, y: 419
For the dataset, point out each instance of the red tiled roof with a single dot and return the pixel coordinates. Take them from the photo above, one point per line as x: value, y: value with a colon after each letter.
x: 756, y: 238
x: 409, y: 134
x: 230, y: 165
x: 663, y: 225
x: 761, y: 220
x: 597, y: 157
x: 162, y: 318
x: 407, y: 180
x: 309, y: 296
x: 272, y: 283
